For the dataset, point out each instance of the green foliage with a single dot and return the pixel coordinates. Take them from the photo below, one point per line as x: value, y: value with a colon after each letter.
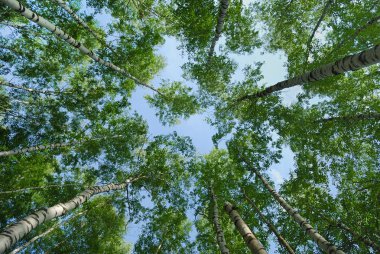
x: 331, y: 128
x: 176, y: 101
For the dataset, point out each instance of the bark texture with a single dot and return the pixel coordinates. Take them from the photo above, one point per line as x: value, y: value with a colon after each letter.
x: 250, y: 239
x: 34, y: 148
x: 349, y: 63
x: 31, y: 241
x: 15, y: 5
x: 280, y: 238
x: 223, y: 6
x: 325, y: 245
x: 30, y: 90
x: 17, y: 231
x: 218, y: 227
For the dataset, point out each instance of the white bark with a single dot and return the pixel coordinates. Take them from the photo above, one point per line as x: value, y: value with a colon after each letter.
x: 219, y: 26
x: 17, y: 231
x: 31, y: 241
x: 218, y: 227
x: 249, y: 238
x: 34, y: 148
x: 280, y: 238
x: 11, y: 85
x: 349, y: 63
x: 325, y: 245
x: 17, y: 6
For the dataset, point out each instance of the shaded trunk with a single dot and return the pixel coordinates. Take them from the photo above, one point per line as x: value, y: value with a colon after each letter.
x: 223, y: 6
x: 280, y: 238
x: 11, y: 85
x: 38, y: 188
x: 17, y: 231
x: 249, y: 238
x: 82, y: 23
x: 325, y: 245
x: 324, y: 12
x: 349, y: 63
x: 15, y: 5
x: 34, y: 148
x: 359, y: 117
x: 218, y: 227
x: 50, y: 146
x: 356, y: 235
x: 25, y: 245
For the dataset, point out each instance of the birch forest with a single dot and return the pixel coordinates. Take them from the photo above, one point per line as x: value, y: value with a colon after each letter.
x: 190, y: 126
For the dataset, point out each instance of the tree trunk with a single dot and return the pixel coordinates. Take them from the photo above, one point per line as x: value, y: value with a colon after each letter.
x: 359, y: 117
x: 51, y: 146
x: 250, y: 239
x: 223, y: 6
x: 280, y: 239
x: 39, y: 188
x: 25, y: 245
x: 218, y: 227
x: 34, y: 148
x: 82, y: 23
x: 356, y: 235
x: 17, y: 231
x: 325, y: 245
x: 349, y: 63
x: 324, y: 12
x: 8, y: 84
x: 15, y: 5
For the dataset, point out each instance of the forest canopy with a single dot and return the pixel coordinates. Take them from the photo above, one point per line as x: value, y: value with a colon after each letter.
x: 80, y: 166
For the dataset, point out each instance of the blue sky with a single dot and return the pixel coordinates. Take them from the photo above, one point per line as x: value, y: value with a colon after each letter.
x: 196, y: 127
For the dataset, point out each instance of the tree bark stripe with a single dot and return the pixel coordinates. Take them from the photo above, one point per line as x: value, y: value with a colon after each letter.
x: 249, y: 238
x: 349, y: 63
x: 325, y: 245
x: 17, y: 6
x: 17, y: 231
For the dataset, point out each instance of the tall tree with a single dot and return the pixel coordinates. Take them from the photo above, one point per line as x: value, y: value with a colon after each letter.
x: 250, y: 239
x: 280, y: 238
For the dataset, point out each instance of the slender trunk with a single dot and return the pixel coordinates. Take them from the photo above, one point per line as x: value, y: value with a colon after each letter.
x: 34, y: 148
x: 9, y: 84
x: 17, y: 231
x: 82, y: 23
x: 250, y: 239
x: 38, y: 188
x: 218, y: 227
x: 324, y: 12
x: 349, y: 63
x: 15, y: 5
x: 358, y: 31
x: 219, y: 26
x: 50, y: 146
x: 158, y: 248
x: 359, y: 117
x: 25, y: 245
x: 10, y: 24
x: 356, y: 235
x: 325, y: 245
x: 280, y: 238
